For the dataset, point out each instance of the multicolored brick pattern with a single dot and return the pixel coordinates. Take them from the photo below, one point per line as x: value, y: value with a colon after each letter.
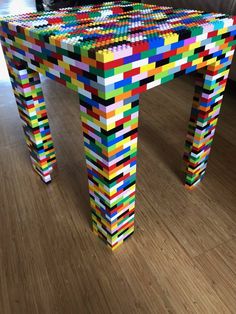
x: 30, y: 102
x: 110, y: 140
x: 110, y: 53
x: 210, y: 86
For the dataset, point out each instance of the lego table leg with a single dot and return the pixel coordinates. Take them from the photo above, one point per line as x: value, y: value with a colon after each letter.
x: 32, y: 109
x: 210, y: 86
x: 110, y: 140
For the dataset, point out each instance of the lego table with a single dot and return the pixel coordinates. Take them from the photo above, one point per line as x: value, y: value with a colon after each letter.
x: 109, y: 54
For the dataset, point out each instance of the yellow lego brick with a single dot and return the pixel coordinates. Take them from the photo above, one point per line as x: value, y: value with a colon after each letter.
x: 222, y: 31
x: 197, y: 61
x: 52, y: 40
x: 123, y: 109
x: 77, y: 83
x: 195, y: 45
x: 27, y: 32
x: 100, y: 56
x: 148, y: 67
x: 108, y: 56
x: 170, y: 38
x: 167, y: 67
x: 64, y: 65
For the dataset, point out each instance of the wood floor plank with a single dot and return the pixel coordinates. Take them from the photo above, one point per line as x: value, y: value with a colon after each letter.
x: 195, y: 218
x: 219, y: 265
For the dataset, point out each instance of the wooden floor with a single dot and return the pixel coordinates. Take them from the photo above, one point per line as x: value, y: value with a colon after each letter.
x: 182, y: 257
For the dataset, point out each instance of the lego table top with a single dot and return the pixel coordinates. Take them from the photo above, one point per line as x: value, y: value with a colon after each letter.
x: 103, y: 32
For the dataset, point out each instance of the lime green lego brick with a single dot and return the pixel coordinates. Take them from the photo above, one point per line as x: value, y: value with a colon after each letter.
x: 188, y: 53
x: 123, y: 68
x: 72, y: 86
x: 131, y: 122
x: 161, y: 75
x: 111, y: 94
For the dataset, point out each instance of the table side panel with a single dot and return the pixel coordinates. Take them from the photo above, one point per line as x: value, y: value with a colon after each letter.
x: 125, y: 76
